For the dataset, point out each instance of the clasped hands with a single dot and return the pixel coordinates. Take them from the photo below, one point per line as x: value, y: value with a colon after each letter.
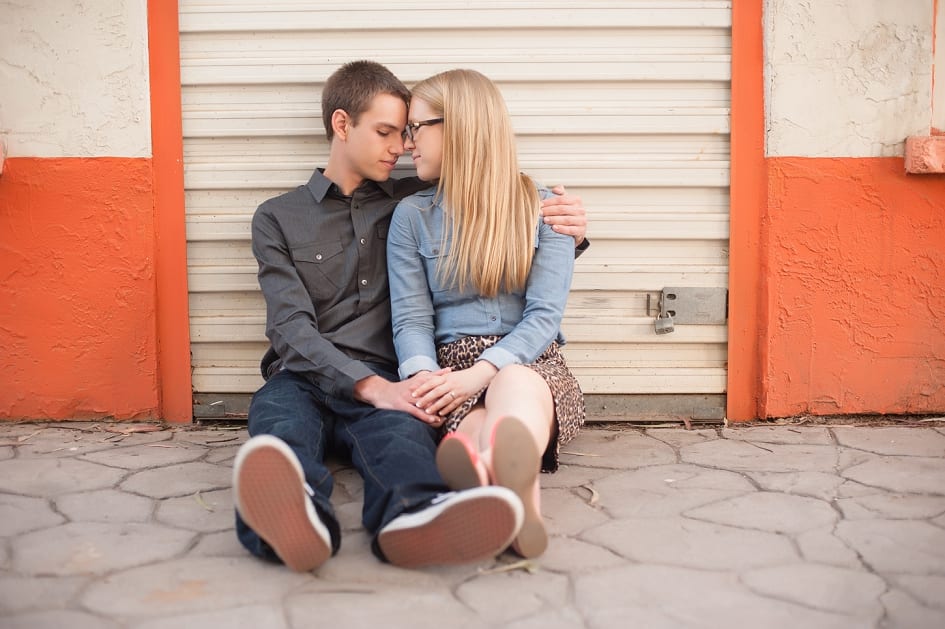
x: 439, y: 393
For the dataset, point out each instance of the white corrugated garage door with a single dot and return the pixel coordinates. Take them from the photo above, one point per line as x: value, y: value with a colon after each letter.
x: 627, y: 103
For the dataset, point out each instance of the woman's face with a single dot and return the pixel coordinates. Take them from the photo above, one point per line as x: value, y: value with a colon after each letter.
x: 425, y: 143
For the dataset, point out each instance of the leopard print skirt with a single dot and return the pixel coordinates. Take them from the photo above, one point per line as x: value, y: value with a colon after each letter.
x: 551, y: 366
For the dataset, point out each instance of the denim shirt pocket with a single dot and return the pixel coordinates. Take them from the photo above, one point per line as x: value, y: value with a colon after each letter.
x: 430, y: 254
x: 320, y: 265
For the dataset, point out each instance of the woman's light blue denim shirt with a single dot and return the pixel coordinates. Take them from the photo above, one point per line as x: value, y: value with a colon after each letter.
x: 426, y: 313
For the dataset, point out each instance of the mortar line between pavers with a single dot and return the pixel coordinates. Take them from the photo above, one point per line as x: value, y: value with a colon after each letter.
x: 802, y: 604
x: 859, y: 556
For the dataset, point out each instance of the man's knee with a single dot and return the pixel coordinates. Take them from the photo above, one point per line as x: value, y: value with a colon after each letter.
x: 284, y: 398
x: 408, y: 427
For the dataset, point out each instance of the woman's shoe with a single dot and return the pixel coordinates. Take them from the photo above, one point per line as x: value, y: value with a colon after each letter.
x: 458, y: 463
x: 516, y: 463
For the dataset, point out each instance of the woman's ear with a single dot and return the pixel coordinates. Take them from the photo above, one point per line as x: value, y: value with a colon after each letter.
x: 339, y: 123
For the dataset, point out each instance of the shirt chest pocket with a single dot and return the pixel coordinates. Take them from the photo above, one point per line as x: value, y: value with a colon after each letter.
x: 430, y: 255
x: 321, y: 266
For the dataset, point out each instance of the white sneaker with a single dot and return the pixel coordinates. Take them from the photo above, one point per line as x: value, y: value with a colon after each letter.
x: 272, y: 497
x: 458, y: 527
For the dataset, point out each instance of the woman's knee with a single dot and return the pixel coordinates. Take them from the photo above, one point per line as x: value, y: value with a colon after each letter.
x: 517, y: 378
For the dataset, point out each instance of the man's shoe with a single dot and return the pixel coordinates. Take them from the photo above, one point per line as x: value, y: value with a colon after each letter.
x: 272, y: 497
x: 457, y: 527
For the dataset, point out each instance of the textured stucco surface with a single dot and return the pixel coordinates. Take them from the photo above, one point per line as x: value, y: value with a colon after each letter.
x: 925, y: 154
x: 856, y: 288
x: 77, y: 278
x: 847, y: 78
x: 74, y: 78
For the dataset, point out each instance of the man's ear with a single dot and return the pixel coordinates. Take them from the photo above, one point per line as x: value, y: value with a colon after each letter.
x: 339, y: 123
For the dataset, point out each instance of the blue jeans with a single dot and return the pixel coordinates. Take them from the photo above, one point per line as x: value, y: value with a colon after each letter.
x: 393, y: 452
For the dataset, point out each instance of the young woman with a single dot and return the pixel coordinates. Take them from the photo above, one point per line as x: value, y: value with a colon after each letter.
x: 479, y: 284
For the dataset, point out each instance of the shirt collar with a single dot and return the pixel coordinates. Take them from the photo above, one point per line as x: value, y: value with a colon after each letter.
x: 319, y: 185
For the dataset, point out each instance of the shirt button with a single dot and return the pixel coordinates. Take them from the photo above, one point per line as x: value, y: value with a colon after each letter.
x: 363, y: 241
x: 363, y: 282
x: 492, y: 318
x: 318, y: 256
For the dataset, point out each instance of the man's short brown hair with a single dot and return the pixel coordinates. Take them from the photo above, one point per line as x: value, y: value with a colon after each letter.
x: 353, y: 86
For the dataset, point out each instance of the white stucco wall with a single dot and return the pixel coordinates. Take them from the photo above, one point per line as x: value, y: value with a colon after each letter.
x: 847, y: 78
x: 74, y: 78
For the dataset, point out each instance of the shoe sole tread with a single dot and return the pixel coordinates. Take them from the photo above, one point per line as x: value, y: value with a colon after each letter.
x: 272, y: 503
x: 456, y: 466
x: 476, y: 529
x: 516, y: 464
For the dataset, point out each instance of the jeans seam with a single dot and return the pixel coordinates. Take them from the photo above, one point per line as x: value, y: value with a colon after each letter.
x: 366, y: 468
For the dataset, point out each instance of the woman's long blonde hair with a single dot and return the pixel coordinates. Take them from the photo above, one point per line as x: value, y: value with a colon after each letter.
x: 491, y: 209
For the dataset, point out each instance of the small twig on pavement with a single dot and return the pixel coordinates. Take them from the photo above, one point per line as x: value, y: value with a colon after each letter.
x: 201, y: 502
x: 759, y: 447
x: 523, y: 564
x: 127, y: 430
x: 224, y: 440
x: 595, y: 497
x: 23, y: 438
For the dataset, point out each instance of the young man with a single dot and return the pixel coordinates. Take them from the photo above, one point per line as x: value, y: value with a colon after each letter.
x: 330, y: 372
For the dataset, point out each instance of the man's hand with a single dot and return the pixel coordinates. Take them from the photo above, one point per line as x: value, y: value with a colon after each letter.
x: 566, y: 214
x: 382, y: 393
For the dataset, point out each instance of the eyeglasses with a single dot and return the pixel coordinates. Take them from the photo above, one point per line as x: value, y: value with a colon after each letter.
x: 410, y: 131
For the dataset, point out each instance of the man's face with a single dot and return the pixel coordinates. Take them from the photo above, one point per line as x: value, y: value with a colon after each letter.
x: 375, y: 142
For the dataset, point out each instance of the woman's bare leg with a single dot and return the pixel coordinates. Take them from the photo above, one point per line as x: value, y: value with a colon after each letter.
x: 515, y: 432
x: 473, y: 422
x: 517, y: 391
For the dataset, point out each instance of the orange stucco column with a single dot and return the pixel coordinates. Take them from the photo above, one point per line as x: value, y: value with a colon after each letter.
x: 173, y: 323
x: 747, y: 297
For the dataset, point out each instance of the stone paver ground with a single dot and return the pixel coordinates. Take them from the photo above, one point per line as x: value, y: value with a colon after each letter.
x: 107, y: 525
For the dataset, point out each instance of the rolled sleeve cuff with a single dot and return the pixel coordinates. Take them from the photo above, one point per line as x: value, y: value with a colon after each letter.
x: 351, y: 373
x: 416, y: 363
x: 499, y: 357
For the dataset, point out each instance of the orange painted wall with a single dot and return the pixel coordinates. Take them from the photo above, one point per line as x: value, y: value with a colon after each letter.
x: 855, y: 261
x: 77, y: 289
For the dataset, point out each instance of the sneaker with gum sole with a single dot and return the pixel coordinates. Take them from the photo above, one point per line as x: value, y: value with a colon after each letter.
x: 456, y: 528
x: 271, y: 496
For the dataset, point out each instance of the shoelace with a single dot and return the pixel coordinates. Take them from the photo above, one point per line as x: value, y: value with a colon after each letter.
x: 441, y: 497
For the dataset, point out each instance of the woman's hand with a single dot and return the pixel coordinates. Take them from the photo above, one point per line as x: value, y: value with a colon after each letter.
x: 444, y: 393
x: 398, y: 395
